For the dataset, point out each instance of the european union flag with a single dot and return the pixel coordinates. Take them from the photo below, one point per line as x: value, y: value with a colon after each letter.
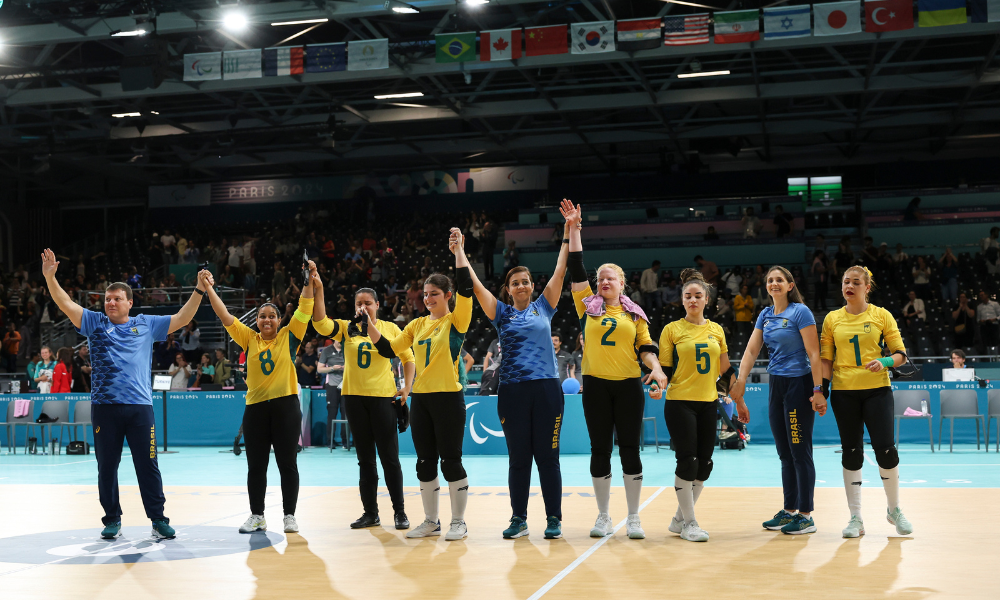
x: 323, y: 58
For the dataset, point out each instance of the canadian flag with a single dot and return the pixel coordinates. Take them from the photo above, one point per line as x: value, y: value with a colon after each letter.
x: 501, y: 44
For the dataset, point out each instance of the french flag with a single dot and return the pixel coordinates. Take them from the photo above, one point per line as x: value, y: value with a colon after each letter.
x: 286, y: 60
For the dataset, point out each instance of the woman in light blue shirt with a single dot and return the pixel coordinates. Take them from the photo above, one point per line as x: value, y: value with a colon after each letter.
x: 795, y: 383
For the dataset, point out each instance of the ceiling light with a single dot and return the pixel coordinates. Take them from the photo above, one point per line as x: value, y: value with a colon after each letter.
x: 406, y: 95
x: 704, y: 74
x: 400, y: 7
x: 133, y: 33
x: 235, y: 21
x: 476, y: 2
x: 303, y: 22
x: 125, y: 115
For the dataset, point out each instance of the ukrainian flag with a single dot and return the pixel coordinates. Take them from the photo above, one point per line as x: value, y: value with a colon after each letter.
x: 934, y: 13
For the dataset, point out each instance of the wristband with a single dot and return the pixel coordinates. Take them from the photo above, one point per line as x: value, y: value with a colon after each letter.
x: 817, y: 388
x: 199, y: 291
x: 565, y: 240
x: 887, y: 361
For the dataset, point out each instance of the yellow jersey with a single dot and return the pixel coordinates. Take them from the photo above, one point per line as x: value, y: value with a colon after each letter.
x: 271, y: 364
x: 694, y: 351
x: 853, y: 341
x: 611, y: 341
x: 437, y: 347
x: 366, y: 372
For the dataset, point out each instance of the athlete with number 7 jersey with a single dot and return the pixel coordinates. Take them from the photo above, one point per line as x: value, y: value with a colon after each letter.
x: 272, y: 417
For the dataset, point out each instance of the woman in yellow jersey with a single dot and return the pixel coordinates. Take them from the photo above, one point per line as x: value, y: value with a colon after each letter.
x: 368, y: 391
x: 615, y: 333
x: 272, y: 417
x: 695, y: 357
x: 851, y: 349
x: 437, y: 416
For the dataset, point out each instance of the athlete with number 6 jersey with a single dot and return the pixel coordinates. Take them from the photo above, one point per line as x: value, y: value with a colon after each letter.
x: 437, y: 415
x: 851, y: 348
x: 272, y: 417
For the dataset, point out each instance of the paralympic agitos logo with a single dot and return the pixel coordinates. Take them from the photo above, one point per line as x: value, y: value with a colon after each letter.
x: 472, y: 428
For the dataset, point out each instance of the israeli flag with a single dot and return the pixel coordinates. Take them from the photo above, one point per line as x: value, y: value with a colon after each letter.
x: 787, y: 22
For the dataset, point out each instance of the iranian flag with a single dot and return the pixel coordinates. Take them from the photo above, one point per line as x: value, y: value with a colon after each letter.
x: 733, y: 27
x: 500, y: 44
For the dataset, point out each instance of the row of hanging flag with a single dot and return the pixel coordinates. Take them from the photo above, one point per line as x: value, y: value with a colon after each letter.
x: 828, y: 19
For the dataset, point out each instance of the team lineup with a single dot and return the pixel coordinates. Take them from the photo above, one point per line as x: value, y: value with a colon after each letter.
x: 845, y: 364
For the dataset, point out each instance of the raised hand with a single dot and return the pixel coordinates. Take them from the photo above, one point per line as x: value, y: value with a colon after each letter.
x: 205, y: 280
x: 572, y: 213
x: 456, y: 241
x: 49, y: 263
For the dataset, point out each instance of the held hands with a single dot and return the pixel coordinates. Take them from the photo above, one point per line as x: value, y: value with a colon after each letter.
x: 657, y: 380
x: 49, y: 263
x: 456, y: 242
x: 205, y: 280
x: 819, y: 403
x: 572, y: 214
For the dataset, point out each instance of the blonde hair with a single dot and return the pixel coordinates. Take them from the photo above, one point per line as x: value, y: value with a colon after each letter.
x: 866, y: 276
x: 694, y: 277
x: 618, y: 271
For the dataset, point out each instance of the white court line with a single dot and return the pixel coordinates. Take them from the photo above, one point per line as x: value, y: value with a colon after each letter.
x: 576, y: 563
x: 952, y: 465
x: 75, y: 462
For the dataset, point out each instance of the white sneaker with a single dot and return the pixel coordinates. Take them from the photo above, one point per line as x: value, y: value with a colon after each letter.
x: 291, y: 526
x: 692, y: 533
x: 855, y: 527
x: 457, y: 531
x: 254, y: 523
x: 676, y: 525
x: 903, y: 526
x: 634, y: 528
x: 425, y: 529
x: 603, y: 526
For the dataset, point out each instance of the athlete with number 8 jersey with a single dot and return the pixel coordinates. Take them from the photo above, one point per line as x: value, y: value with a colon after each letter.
x: 368, y: 391
x: 851, y: 348
x: 272, y: 417
x: 437, y: 415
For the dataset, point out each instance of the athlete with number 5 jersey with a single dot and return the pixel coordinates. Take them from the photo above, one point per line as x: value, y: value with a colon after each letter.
x: 437, y: 415
x: 272, y: 417
x: 851, y: 348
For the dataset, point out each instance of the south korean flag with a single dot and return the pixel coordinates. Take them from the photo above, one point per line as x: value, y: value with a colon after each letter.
x: 589, y: 38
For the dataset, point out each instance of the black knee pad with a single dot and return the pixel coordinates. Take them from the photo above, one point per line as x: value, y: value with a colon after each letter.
x: 853, y: 458
x: 687, y: 468
x: 631, y: 463
x: 705, y: 469
x: 427, y: 470
x: 600, y: 465
x: 452, y: 469
x: 887, y: 458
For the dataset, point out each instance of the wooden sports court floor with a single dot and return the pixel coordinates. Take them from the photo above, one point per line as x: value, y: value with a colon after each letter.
x: 49, y: 546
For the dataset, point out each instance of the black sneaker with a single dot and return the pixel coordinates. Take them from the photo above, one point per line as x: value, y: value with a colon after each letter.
x: 401, y: 521
x: 366, y: 520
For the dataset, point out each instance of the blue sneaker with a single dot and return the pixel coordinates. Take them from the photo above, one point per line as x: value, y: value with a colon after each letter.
x: 553, y: 528
x: 780, y: 519
x: 800, y: 524
x: 518, y: 528
x: 112, y: 530
x: 162, y: 529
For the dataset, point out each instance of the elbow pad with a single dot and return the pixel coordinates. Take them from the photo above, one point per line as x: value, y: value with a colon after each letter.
x: 577, y: 272
x: 463, y: 282
x: 384, y: 348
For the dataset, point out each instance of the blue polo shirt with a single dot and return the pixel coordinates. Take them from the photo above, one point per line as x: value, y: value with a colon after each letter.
x: 121, y: 356
x: 526, y: 341
x: 784, y: 342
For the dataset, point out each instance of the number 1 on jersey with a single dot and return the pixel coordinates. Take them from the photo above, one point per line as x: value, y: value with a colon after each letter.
x: 427, y: 356
x: 857, y: 349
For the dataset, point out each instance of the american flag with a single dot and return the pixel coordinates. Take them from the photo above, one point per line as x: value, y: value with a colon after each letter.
x: 686, y: 30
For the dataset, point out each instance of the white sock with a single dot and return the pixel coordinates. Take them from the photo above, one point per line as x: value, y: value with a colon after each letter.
x: 633, y: 491
x: 459, y: 492
x: 890, y: 481
x: 430, y: 495
x: 697, y: 486
x: 852, y: 485
x: 685, y: 498
x: 602, y: 491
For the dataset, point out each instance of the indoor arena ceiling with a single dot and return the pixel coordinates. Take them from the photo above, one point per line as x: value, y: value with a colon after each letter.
x: 803, y: 102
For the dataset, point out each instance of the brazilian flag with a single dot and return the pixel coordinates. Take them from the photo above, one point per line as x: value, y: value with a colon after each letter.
x: 455, y: 47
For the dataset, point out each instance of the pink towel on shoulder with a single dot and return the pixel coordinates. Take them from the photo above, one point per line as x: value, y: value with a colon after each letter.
x: 21, y: 408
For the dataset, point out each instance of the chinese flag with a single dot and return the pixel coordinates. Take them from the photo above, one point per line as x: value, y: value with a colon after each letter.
x: 888, y: 15
x: 540, y: 41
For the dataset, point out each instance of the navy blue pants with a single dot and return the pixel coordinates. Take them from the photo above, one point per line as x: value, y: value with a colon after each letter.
x: 113, y: 425
x: 791, y: 415
x: 531, y: 414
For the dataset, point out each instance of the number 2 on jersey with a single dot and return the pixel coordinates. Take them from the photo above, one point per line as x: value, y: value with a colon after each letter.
x: 427, y: 356
x: 266, y: 364
x: 857, y: 349
x: 604, y: 339
x: 699, y: 356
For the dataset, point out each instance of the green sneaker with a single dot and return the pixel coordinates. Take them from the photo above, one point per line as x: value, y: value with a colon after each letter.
x: 781, y: 518
x: 855, y: 527
x: 800, y: 524
x: 903, y: 526
x: 553, y: 528
x: 518, y: 528
x: 162, y: 529
x: 112, y: 530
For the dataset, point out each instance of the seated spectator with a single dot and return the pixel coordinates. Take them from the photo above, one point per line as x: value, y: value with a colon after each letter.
x: 733, y: 279
x: 844, y: 257
x: 724, y: 304
x: 949, y: 275
x: 783, y: 222
x: 192, y: 255
x: 205, y: 372
x: 750, y: 223
x: 353, y: 255
x: 82, y: 370
x: 33, y: 360
x: 11, y: 346
x: 963, y: 318
x: 511, y: 257
x: 42, y: 374
x: 958, y: 358
x: 710, y: 234
x: 900, y: 257
x: 179, y: 372
x: 191, y: 341
x: 671, y: 293
x: 913, y: 311
x: 62, y: 375
x: 305, y: 364
x: 987, y: 313
x: 222, y: 371
x: 708, y: 269
x: 164, y: 352
x: 993, y: 241
x: 921, y: 278
x: 869, y: 253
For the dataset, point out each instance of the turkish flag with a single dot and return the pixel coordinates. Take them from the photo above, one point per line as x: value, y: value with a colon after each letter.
x: 888, y: 15
x: 540, y: 41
